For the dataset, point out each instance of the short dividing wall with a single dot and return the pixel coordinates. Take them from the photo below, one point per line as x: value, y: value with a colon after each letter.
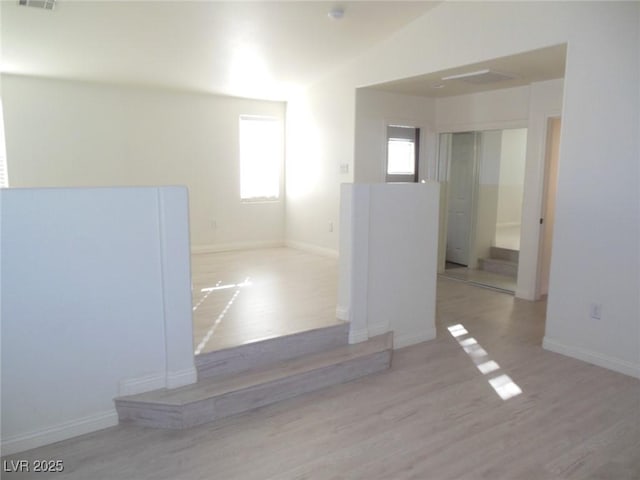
x: 388, y: 260
x: 95, y: 303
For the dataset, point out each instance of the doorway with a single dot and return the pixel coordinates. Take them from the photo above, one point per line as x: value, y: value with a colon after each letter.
x: 482, y: 173
x: 548, y: 204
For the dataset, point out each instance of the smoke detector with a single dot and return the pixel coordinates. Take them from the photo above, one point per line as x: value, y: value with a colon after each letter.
x: 46, y: 4
x: 336, y: 13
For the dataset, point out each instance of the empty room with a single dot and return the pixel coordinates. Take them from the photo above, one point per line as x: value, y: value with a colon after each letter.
x: 320, y: 239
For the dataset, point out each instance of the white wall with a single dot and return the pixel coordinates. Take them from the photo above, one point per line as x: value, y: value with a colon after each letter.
x: 374, y: 111
x: 488, y: 194
x: 597, y: 234
x: 62, y: 133
x: 95, y: 303
x: 493, y: 110
x: 320, y: 133
x: 512, y: 166
x: 389, y: 279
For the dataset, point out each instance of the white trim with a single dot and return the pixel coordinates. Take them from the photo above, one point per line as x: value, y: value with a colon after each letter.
x: 590, y: 356
x: 508, y: 224
x: 228, y: 247
x: 482, y: 126
x: 378, y: 329
x: 181, y: 378
x: 310, y: 248
x: 357, y: 336
x: 133, y: 386
x: 342, y: 313
x: 62, y: 431
x: 407, y: 339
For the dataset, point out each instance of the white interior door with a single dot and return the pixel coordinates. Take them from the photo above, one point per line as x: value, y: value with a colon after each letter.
x: 460, y: 204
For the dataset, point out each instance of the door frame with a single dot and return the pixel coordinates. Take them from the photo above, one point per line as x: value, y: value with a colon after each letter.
x: 441, y: 173
x: 445, y: 197
x: 549, y: 118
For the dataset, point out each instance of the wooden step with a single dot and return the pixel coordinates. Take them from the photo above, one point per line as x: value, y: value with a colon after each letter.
x: 264, y: 352
x: 214, y: 398
x: 507, y: 254
x: 502, y: 267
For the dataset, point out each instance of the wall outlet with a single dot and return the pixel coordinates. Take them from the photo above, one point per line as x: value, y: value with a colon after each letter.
x: 596, y: 311
x: 331, y: 226
x: 344, y: 168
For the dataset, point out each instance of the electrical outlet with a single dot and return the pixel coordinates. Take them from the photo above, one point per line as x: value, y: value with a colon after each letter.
x: 344, y: 168
x: 596, y: 311
x: 331, y: 226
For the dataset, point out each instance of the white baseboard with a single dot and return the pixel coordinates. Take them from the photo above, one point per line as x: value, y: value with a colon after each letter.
x: 62, y: 431
x: 589, y: 356
x: 229, y: 247
x: 181, y: 378
x: 406, y: 339
x: 357, y: 336
x: 133, y: 386
x: 342, y: 313
x: 379, y: 329
x: 310, y: 248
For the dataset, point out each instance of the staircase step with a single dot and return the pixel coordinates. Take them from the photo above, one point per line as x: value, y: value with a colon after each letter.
x: 214, y: 398
x: 265, y: 352
x: 502, y: 267
x: 500, y: 253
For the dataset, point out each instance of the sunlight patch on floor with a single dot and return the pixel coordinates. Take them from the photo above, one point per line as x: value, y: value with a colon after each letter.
x: 502, y: 384
x: 224, y: 311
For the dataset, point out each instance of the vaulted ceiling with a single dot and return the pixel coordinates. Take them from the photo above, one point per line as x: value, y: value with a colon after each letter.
x: 250, y: 49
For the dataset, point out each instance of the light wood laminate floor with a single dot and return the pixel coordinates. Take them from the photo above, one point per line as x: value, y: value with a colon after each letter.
x: 244, y: 296
x: 481, y: 278
x: 433, y: 415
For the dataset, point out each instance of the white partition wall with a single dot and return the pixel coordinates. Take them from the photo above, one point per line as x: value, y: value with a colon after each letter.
x: 389, y: 260
x: 96, y: 303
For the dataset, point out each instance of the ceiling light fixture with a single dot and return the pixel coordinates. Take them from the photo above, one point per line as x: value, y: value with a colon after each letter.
x: 336, y: 13
x: 46, y: 4
x: 481, y: 77
x: 468, y: 74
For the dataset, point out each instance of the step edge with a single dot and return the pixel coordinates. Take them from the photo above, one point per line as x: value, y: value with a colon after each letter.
x: 202, y: 359
x: 386, y: 345
x: 181, y: 410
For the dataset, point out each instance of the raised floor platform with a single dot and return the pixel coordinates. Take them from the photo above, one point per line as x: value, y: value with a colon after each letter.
x: 244, y: 296
x: 266, y: 379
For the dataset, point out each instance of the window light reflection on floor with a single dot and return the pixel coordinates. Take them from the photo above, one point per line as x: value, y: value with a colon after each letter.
x: 224, y: 311
x: 502, y: 384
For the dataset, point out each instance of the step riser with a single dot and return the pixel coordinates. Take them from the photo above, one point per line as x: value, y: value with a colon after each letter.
x: 510, y: 270
x: 505, y: 254
x: 232, y: 403
x: 256, y: 354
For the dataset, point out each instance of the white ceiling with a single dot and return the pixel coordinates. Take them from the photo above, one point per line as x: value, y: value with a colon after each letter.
x: 525, y: 68
x: 248, y: 49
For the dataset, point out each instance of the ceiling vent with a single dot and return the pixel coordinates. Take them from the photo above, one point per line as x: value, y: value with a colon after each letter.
x: 481, y: 77
x: 46, y: 4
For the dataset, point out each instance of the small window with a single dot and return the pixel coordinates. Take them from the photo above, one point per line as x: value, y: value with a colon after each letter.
x: 260, y: 158
x: 402, y: 153
x: 402, y: 157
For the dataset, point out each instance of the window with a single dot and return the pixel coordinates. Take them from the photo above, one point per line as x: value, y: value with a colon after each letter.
x: 260, y: 158
x: 402, y: 153
x: 4, y: 174
x: 402, y: 157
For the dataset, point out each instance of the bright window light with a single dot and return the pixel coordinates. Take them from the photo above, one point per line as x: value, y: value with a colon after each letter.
x: 260, y: 158
x: 402, y: 157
